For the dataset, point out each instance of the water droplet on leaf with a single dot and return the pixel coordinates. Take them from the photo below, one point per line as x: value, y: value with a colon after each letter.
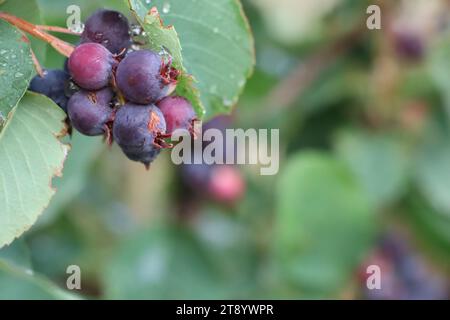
x: 166, y: 8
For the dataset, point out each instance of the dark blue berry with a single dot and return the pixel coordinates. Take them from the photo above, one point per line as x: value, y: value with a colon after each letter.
x: 90, y: 112
x: 53, y: 85
x: 138, y: 130
x: 108, y: 28
x: 144, y: 78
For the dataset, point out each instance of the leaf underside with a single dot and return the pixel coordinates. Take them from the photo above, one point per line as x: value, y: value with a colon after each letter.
x: 30, y: 156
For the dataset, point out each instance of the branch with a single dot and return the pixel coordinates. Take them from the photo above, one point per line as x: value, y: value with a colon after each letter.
x: 61, y: 46
x: 58, y: 29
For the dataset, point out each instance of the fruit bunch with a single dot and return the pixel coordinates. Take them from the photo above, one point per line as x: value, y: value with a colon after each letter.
x: 121, y: 93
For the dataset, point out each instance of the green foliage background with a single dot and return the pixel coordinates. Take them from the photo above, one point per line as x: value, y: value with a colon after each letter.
x: 365, y: 152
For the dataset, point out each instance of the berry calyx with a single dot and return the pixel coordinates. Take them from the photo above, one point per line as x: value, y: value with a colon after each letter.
x: 138, y: 130
x: 144, y: 78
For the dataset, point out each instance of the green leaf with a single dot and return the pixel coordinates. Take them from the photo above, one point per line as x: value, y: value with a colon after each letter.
x: 324, y: 223
x: 159, y: 36
x: 379, y: 161
x: 28, y: 10
x: 30, y: 156
x: 23, y: 284
x: 163, y: 262
x: 16, y: 69
x: 217, y: 47
x: 433, y: 165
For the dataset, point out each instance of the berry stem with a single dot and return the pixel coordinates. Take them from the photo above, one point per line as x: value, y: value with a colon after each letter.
x: 119, y: 94
x: 108, y: 138
x: 61, y: 46
x: 57, y: 29
x: 36, y: 63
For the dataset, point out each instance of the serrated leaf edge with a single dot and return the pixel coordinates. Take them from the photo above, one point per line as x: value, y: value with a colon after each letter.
x: 58, y: 172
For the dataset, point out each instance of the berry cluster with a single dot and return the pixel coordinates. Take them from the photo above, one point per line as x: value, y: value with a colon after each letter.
x: 121, y: 93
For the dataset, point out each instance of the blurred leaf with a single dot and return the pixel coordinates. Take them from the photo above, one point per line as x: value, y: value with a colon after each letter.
x: 30, y: 156
x: 17, y: 253
x: 75, y: 173
x: 16, y: 70
x: 433, y: 225
x: 293, y: 21
x: 417, y: 83
x: 252, y: 101
x: 28, y: 10
x: 340, y: 84
x: 163, y: 262
x: 17, y: 283
x: 439, y: 64
x: 379, y: 161
x: 324, y: 224
x: 433, y: 165
x: 231, y: 250
x: 59, y: 245
x: 217, y: 47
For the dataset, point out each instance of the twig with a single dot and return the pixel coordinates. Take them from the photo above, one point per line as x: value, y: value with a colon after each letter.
x: 61, y: 46
x: 58, y: 29
x: 36, y: 63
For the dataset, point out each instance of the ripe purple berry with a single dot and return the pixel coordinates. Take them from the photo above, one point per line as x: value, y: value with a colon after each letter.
x: 108, y: 28
x: 178, y: 112
x: 144, y: 78
x: 90, y: 112
x: 91, y: 65
x: 139, y: 131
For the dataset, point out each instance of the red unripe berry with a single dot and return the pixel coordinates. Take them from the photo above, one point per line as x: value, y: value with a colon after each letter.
x: 91, y: 65
x: 178, y: 112
x: 226, y: 184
